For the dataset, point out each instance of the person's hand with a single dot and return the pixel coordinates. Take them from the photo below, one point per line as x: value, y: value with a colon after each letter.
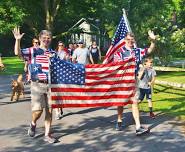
x: 152, y: 36
x: 17, y: 34
x: 150, y: 84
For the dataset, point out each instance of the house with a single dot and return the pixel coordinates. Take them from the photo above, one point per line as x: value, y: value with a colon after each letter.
x: 88, y: 33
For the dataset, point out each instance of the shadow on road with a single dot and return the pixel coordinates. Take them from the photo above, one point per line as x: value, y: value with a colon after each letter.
x: 97, y: 133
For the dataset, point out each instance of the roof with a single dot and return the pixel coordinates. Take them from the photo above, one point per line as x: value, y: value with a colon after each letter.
x: 82, y: 20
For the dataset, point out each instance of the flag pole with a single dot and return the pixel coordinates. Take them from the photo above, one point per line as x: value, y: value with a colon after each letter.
x: 126, y: 20
x: 127, y: 24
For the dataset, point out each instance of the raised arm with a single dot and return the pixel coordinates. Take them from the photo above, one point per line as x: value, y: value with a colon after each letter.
x: 141, y: 73
x: 152, y: 38
x: 17, y: 36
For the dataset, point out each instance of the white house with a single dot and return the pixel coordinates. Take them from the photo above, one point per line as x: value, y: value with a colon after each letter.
x: 90, y: 32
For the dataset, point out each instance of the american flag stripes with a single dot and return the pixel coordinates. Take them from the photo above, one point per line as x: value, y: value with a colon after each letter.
x: 38, y: 62
x: 118, y: 39
x: 74, y: 85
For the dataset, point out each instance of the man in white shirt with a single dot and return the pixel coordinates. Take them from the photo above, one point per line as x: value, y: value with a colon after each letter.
x: 81, y: 54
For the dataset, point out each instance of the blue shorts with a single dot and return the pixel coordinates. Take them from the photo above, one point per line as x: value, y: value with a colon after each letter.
x: 144, y: 92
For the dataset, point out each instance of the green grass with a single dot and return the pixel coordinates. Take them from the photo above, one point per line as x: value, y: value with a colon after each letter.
x: 167, y: 99
x: 13, y: 65
x: 178, y: 77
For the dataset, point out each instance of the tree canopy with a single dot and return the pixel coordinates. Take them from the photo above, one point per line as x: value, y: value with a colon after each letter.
x: 166, y: 18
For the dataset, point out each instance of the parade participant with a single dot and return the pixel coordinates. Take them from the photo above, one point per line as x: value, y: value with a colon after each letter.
x: 95, y: 52
x: 128, y: 51
x: 146, y: 76
x: 38, y: 69
x: 61, y: 53
x: 81, y: 54
x: 70, y: 51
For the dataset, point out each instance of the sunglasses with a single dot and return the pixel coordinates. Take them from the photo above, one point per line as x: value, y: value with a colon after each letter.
x: 36, y: 42
x: 130, y: 39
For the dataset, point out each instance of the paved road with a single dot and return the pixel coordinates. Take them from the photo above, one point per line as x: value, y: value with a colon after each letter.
x: 84, y: 130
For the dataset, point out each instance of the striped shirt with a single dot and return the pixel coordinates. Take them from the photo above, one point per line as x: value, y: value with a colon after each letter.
x: 38, y: 62
x: 124, y: 54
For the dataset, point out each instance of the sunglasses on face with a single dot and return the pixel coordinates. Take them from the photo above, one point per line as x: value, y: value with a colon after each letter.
x: 36, y: 42
x: 130, y: 39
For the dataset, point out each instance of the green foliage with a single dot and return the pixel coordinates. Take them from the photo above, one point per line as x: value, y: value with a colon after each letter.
x: 178, y: 42
x: 182, y: 13
x: 143, y: 15
x: 10, y: 16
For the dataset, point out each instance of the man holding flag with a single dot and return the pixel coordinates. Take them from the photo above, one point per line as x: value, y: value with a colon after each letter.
x: 122, y: 49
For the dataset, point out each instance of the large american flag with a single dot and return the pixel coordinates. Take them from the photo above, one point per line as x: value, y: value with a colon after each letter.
x: 92, y: 85
x: 118, y: 38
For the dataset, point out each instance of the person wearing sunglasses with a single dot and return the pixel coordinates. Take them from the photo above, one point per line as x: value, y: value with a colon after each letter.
x: 38, y: 71
x: 63, y: 55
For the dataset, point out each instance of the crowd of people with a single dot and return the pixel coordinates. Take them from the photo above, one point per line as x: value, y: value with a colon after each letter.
x: 78, y: 53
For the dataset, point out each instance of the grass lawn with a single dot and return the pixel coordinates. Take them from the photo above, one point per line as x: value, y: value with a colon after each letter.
x: 13, y: 65
x: 165, y: 99
x: 178, y: 77
x: 168, y: 100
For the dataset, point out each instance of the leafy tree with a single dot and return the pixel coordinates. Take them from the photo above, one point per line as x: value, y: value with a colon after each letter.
x: 10, y: 15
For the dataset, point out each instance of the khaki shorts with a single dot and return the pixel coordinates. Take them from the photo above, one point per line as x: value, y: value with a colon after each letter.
x: 40, y: 96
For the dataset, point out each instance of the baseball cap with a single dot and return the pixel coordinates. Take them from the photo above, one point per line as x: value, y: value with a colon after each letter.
x: 80, y: 42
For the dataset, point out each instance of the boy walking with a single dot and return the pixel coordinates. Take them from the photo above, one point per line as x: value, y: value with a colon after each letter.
x: 146, y: 78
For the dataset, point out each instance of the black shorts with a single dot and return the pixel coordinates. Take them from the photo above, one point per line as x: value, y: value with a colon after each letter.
x: 143, y: 92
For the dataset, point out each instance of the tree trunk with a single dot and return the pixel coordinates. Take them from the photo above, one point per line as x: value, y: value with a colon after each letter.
x: 51, y: 10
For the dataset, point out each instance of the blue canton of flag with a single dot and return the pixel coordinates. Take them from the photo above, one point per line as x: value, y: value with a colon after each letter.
x: 35, y: 70
x: 120, y: 32
x: 63, y: 72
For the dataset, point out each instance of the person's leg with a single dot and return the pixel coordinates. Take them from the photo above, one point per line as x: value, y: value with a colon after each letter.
x: 135, y: 112
x: 119, y: 119
x: 120, y: 113
x: 140, y: 94
x: 57, y: 113
x: 35, y: 116
x: 149, y: 99
x: 48, y: 120
x: 36, y: 106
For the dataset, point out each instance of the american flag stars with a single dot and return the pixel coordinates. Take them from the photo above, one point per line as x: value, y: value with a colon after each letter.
x: 67, y: 73
x: 120, y: 32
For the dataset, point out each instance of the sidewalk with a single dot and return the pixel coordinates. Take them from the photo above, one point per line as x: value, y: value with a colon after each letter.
x: 84, y: 130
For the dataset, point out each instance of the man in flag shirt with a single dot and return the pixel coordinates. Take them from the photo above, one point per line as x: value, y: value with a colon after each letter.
x: 124, y: 53
x: 38, y: 70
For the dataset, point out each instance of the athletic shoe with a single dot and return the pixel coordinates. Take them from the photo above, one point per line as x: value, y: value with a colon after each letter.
x: 31, y: 130
x: 142, y: 131
x: 50, y: 139
x: 119, y: 126
x: 152, y: 115
x: 58, y: 116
